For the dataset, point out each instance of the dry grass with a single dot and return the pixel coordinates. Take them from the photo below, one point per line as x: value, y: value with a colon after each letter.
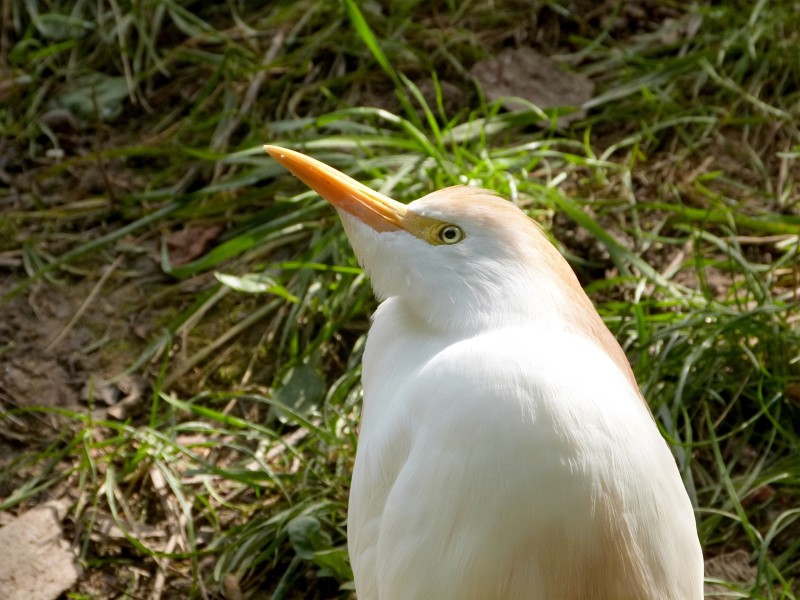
x: 204, y: 436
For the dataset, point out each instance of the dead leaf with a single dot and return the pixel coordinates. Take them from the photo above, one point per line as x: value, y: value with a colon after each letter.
x: 37, y: 381
x: 524, y: 73
x: 116, y: 390
x: 38, y: 563
x: 106, y: 528
x: 761, y: 494
x: 793, y: 391
x: 189, y: 243
x: 133, y: 388
x: 99, y: 389
x: 231, y: 588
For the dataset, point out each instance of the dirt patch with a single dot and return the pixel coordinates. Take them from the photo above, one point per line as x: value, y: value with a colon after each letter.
x: 66, y: 339
x: 735, y: 567
x: 60, y: 345
x: 524, y: 73
x: 39, y: 563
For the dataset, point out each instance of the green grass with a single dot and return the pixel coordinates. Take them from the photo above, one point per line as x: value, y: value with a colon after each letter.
x: 675, y: 198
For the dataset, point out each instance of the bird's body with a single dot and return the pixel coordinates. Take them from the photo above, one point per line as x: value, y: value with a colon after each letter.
x: 505, y: 450
x: 497, y: 472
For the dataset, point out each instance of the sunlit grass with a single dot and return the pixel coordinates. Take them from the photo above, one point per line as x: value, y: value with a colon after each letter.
x: 675, y: 198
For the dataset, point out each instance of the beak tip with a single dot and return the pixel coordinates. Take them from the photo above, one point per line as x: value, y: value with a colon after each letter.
x: 376, y: 210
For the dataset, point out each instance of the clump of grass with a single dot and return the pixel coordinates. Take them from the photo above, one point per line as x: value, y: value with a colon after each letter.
x: 675, y: 198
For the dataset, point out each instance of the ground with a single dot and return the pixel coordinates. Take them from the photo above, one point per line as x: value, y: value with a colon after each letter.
x: 181, y: 322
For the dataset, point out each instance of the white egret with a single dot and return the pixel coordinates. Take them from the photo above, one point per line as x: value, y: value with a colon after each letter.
x: 505, y: 450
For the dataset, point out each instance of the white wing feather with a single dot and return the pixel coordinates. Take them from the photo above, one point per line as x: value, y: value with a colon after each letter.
x: 535, y: 473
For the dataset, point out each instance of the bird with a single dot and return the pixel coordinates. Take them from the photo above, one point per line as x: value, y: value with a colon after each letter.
x: 505, y: 449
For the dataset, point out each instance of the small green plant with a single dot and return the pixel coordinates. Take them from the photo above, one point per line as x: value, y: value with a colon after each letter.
x: 675, y: 198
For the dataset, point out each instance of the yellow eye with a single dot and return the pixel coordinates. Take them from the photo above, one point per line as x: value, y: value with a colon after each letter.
x: 451, y: 234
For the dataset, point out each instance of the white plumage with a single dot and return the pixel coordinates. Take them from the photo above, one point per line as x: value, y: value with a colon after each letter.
x: 505, y: 450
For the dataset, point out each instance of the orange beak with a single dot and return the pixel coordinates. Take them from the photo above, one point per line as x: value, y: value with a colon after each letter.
x: 373, y: 208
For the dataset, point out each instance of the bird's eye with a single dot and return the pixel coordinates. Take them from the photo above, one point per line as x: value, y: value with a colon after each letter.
x: 451, y: 234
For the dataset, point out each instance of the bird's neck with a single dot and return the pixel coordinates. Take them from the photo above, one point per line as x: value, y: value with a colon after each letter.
x: 486, y: 309
x: 543, y: 309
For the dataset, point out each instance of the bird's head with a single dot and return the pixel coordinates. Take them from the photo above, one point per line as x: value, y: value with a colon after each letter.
x: 459, y: 257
